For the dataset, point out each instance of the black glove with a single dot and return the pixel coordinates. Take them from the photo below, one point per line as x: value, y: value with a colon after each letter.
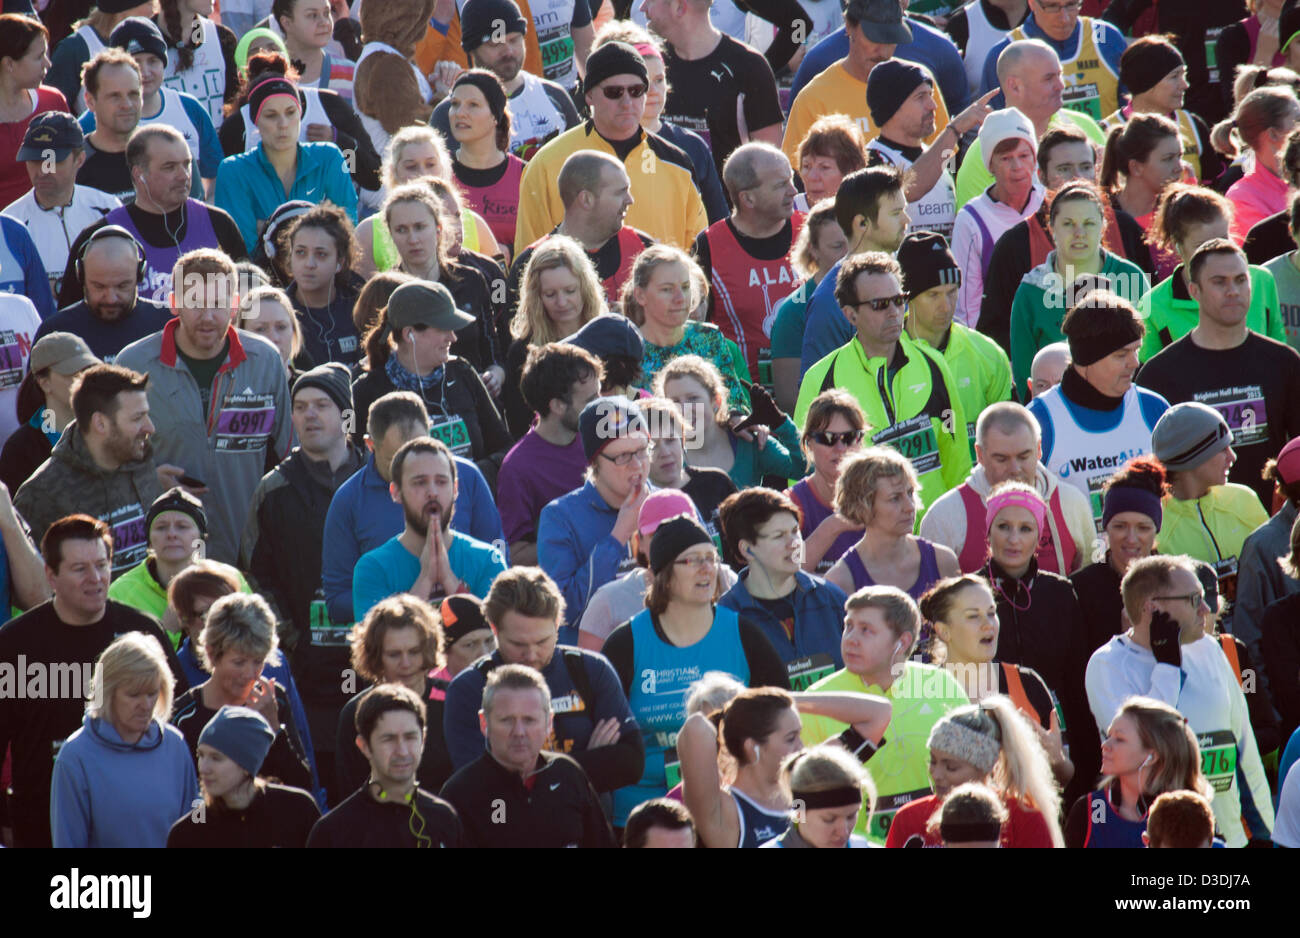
x: 1164, y: 639
x: 764, y: 409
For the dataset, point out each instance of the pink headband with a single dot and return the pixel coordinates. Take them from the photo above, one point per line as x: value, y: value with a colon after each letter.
x: 274, y: 86
x: 648, y: 51
x: 1026, y: 500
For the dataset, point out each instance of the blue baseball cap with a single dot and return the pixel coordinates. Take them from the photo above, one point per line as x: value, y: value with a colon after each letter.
x: 56, y: 131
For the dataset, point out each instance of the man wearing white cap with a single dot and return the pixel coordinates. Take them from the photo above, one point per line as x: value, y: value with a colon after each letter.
x: 1009, y: 148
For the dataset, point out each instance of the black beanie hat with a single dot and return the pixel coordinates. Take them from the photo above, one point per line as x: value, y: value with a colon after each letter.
x: 1144, y: 66
x: 333, y: 378
x: 890, y: 84
x: 927, y: 262
x: 672, y: 538
x: 481, y: 20
x: 490, y: 85
x: 614, y: 58
x: 177, y: 499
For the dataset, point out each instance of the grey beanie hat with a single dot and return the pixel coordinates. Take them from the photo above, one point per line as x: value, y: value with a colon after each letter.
x: 1188, y: 434
x: 241, y: 734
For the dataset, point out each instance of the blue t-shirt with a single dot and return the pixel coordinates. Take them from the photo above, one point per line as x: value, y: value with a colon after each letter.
x: 825, y: 328
x: 106, y: 339
x: 390, y: 569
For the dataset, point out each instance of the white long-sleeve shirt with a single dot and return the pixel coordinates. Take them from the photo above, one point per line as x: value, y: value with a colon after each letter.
x: 969, y: 245
x: 1205, y: 691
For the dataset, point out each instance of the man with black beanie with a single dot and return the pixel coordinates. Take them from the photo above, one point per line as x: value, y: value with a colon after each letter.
x: 281, y: 548
x: 666, y: 206
x: 539, y: 109
x: 931, y: 279
x: 1097, y: 419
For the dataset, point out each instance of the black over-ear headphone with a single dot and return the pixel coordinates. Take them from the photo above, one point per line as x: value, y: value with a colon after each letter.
x: 112, y: 231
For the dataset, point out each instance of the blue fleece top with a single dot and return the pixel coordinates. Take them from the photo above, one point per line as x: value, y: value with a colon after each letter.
x: 106, y: 793
x: 1112, y: 46
x: 21, y: 268
x: 818, y: 607
x: 106, y: 339
x: 929, y: 47
x: 706, y: 171
x: 576, y: 549
x: 390, y: 568
x: 363, y: 515
x: 249, y: 188
x: 825, y: 328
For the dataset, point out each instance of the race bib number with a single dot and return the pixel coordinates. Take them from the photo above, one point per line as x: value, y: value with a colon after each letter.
x: 886, y: 808
x: 1219, y: 758
x: 1226, y: 572
x: 765, y: 369
x: 672, y: 769
x: 453, y: 432
x: 11, y: 359
x: 804, y: 672
x: 1083, y: 98
x: 915, y: 440
x: 325, y: 632
x: 1244, y: 410
x: 1212, y: 53
x: 556, y: 53
x: 245, y: 423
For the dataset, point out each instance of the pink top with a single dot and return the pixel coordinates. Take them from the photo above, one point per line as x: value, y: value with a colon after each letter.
x: 1255, y: 197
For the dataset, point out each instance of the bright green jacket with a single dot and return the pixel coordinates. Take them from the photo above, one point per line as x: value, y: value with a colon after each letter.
x: 1169, y: 317
x: 981, y: 370
x: 138, y: 589
x: 1231, y: 512
x: 918, y: 412
x: 1041, y: 303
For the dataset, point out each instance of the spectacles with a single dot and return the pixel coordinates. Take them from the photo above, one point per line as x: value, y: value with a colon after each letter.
x: 626, y: 459
x: 847, y: 437
x: 1194, y: 598
x: 882, y: 304
x: 1054, y: 9
x: 615, y: 92
x: 703, y: 562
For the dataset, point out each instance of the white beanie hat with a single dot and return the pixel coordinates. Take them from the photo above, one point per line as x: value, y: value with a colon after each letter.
x: 1006, y: 124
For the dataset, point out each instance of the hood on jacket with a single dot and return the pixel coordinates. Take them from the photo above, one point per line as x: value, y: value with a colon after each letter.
x: 73, y: 451
x: 105, y: 735
x: 1045, y: 482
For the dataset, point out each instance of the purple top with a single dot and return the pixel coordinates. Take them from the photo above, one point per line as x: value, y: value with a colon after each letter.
x: 926, y: 577
x: 533, y: 474
x: 815, y: 511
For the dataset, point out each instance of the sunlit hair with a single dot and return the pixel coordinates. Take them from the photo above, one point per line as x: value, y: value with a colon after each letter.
x: 702, y: 371
x: 860, y: 476
x: 1177, y: 762
x: 801, y: 255
x: 643, y: 268
x: 557, y: 251
x: 392, y: 614
x: 251, y: 303
x: 134, y: 662
x: 242, y: 623
x: 397, y: 144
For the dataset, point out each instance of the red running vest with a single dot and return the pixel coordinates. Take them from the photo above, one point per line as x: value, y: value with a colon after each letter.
x: 976, y: 551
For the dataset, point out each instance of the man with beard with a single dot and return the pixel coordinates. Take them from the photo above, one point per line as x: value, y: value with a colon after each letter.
x: 113, y: 313
x: 428, y: 559
x: 102, y: 466
x: 162, y: 217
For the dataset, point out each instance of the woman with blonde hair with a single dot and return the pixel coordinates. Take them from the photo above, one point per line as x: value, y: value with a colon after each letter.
x: 992, y: 742
x: 877, y: 490
x: 829, y: 787
x: 267, y: 311
x: 126, y: 775
x: 695, y: 385
x: 1149, y: 749
x: 659, y: 297
x: 558, y: 295
x: 238, y: 639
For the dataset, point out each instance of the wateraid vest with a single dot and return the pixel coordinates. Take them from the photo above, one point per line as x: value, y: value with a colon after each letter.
x: 976, y: 550
x: 747, y: 290
x: 981, y: 37
x: 206, y: 77
x: 160, y: 260
x: 94, y: 46
x: 1085, y: 459
x: 934, y: 211
x: 313, y: 113
x: 1090, y: 86
x: 661, y: 675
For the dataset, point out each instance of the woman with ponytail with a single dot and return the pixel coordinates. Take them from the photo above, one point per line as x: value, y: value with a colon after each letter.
x: 197, y: 50
x: 1263, y: 122
x: 1143, y: 156
x: 987, y: 742
x: 964, y: 618
x: 829, y: 787
x: 1149, y: 750
x: 760, y: 728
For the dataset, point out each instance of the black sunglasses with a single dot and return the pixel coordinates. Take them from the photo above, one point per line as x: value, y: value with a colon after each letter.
x: 848, y: 437
x: 885, y: 302
x: 614, y: 92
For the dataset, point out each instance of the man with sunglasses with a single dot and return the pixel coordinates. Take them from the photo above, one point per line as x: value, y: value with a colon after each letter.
x: 582, y: 537
x: 666, y: 204
x: 904, y: 386
x: 1089, y: 49
x: 1166, y: 654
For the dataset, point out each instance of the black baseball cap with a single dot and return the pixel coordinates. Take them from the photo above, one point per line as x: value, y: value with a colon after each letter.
x: 56, y: 131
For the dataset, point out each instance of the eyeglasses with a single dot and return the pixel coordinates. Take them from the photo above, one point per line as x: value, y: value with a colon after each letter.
x: 703, y: 562
x: 614, y: 92
x: 1055, y: 9
x: 626, y: 459
x: 847, y: 437
x: 882, y: 304
x: 1194, y: 598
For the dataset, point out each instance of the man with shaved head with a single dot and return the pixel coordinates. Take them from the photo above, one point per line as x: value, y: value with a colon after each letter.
x: 596, y: 193
x: 1029, y: 73
x: 746, y: 255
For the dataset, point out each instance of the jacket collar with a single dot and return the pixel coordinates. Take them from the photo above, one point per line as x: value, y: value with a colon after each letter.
x: 169, y: 352
x: 803, y: 583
